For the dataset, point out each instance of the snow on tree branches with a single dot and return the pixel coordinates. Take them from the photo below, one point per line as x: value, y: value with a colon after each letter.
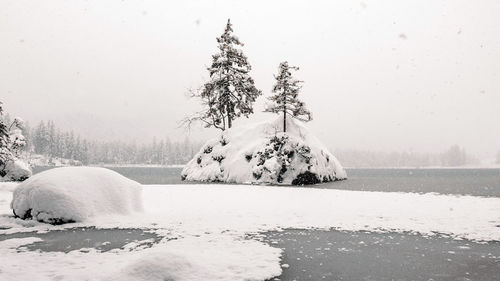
x: 11, y: 141
x: 5, y: 153
x: 230, y: 92
x: 285, y: 100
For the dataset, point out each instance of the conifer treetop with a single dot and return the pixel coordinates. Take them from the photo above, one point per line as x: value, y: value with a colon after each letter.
x: 230, y: 91
x: 285, y: 99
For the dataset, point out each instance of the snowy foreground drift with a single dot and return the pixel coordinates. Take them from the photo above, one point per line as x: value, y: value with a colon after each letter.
x: 210, y: 224
x: 73, y: 194
x: 261, y: 153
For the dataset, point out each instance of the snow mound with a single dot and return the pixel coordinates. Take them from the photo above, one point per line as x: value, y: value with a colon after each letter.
x: 73, y: 194
x: 200, y: 259
x: 17, y: 170
x: 262, y: 153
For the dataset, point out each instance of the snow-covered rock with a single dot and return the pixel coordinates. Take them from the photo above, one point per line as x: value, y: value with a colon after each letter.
x: 73, y: 194
x: 17, y: 170
x: 262, y: 153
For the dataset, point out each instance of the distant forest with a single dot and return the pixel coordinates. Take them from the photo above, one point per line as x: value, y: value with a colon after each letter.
x: 455, y: 156
x: 48, y: 140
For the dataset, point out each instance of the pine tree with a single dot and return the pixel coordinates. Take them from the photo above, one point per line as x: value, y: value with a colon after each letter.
x: 41, y: 139
x: 230, y: 92
x: 5, y: 154
x: 12, y: 140
x: 17, y: 141
x: 285, y: 100
x: 454, y: 156
x: 51, y: 139
x: 26, y: 131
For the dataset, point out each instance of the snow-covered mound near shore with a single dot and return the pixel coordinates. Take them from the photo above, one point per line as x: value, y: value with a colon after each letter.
x: 262, y: 153
x: 16, y: 170
x: 73, y: 194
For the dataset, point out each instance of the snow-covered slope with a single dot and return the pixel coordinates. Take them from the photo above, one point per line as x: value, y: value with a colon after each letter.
x: 262, y: 153
x: 74, y: 194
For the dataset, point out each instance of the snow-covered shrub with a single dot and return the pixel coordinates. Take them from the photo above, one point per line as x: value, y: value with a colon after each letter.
x: 12, y: 142
x: 17, y: 140
x: 17, y: 170
x: 73, y: 194
x: 262, y: 153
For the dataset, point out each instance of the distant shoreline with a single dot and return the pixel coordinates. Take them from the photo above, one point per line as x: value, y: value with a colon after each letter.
x: 140, y: 165
x: 117, y: 166
x: 349, y: 168
x: 429, y: 167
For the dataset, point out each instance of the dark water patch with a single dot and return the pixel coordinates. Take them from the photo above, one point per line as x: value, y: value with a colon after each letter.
x: 151, y: 175
x: 143, y: 175
x: 338, y: 255
x: 476, y: 182
x: 81, y: 238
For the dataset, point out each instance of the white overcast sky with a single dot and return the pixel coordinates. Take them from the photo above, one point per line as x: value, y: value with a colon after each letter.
x: 379, y: 75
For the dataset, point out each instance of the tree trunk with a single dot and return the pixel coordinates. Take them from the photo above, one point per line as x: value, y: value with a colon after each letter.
x: 284, y: 113
x: 284, y: 121
x: 228, y: 116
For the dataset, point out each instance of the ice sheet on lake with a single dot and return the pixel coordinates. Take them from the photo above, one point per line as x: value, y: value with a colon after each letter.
x: 211, y: 221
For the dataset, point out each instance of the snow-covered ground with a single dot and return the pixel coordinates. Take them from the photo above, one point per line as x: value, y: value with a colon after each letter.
x: 210, y: 223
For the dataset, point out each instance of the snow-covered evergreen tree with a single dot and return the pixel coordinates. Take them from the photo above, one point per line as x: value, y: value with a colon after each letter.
x: 285, y: 100
x: 230, y: 92
x: 12, y: 140
x: 17, y: 140
x: 5, y: 153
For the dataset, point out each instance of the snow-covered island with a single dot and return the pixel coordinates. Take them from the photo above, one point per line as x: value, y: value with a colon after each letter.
x: 261, y: 153
x: 278, y: 151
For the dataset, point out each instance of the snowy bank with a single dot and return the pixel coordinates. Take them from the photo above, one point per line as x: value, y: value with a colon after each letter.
x: 72, y: 194
x: 261, y: 153
x: 250, y: 209
x: 206, y: 229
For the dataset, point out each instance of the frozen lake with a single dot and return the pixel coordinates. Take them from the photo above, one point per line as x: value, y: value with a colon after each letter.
x: 476, y: 182
x: 331, y: 254
x: 339, y: 255
x: 320, y: 254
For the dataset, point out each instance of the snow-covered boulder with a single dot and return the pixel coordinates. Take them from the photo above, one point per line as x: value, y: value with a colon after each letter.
x: 73, y: 194
x: 17, y: 170
x: 262, y: 153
